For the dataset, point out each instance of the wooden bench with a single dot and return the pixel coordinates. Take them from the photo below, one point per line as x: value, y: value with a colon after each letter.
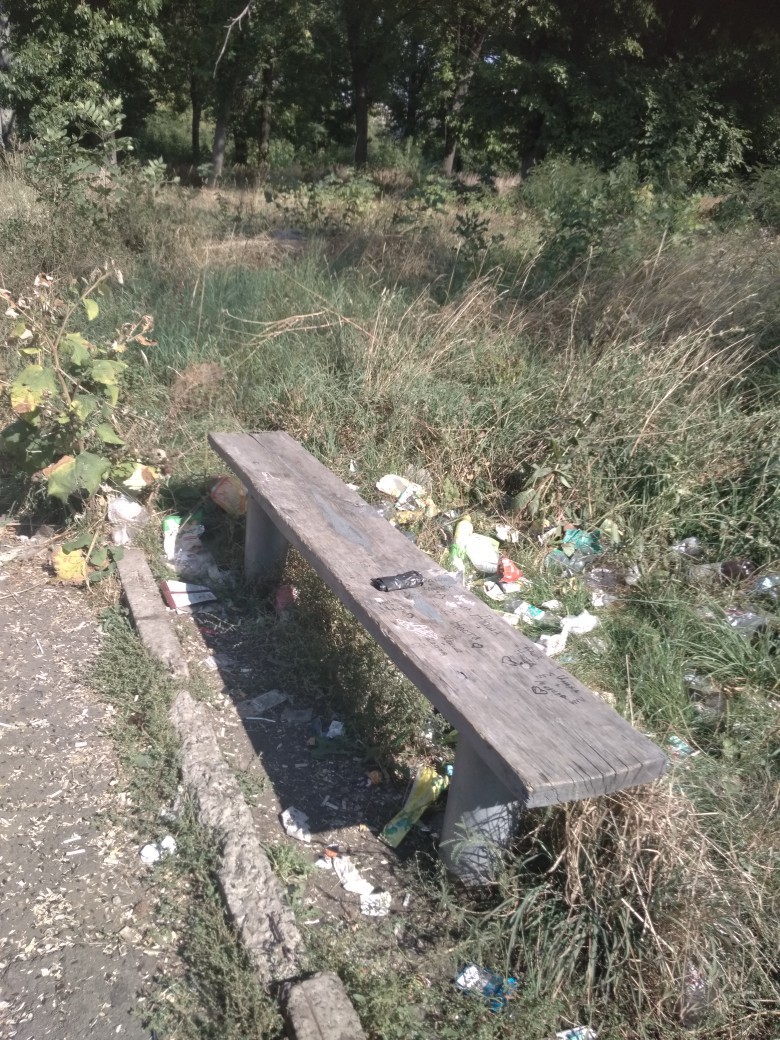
x: 529, y: 733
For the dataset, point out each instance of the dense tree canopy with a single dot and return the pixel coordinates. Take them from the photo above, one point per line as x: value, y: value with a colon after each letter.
x: 689, y: 90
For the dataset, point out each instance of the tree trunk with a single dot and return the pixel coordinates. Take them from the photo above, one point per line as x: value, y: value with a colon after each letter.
x: 360, y: 89
x: 264, y: 140
x: 220, y: 139
x: 197, y: 114
x: 536, y: 150
x: 240, y: 147
x: 358, y: 58
x: 7, y: 115
x: 473, y: 54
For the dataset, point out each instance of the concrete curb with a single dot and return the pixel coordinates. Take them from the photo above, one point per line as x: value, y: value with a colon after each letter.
x: 148, y: 612
x: 316, y: 1008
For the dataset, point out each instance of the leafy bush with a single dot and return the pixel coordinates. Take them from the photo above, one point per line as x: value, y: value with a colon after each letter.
x: 64, y: 399
x: 764, y: 197
x: 74, y: 162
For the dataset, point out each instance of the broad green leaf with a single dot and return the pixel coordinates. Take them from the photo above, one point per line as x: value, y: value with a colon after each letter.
x: 108, y: 434
x: 112, y: 393
x: 83, y: 405
x: 116, y: 552
x: 83, y: 473
x: 31, y: 388
x: 82, y: 542
x: 107, y: 372
x: 62, y: 479
x: 99, y: 557
x: 123, y: 470
x: 523, y: 499
x: 31, y: 351
x: 92, y: 309
x: 78, y: 348
x: 95, y: 576
x: 91, y: 470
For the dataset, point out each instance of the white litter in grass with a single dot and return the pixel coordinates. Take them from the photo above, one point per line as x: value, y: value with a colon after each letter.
x: 350, y: 878
x: 377, y: 904
x: 296, y: 824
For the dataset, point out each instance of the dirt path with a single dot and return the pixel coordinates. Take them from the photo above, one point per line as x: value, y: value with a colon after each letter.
x: 73, y: 961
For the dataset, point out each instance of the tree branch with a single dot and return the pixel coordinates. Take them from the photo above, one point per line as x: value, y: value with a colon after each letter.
x: 237, y: 21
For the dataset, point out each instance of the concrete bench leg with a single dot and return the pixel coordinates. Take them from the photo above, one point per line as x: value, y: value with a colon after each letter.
x: 265, y: 549
x: 480, y: 820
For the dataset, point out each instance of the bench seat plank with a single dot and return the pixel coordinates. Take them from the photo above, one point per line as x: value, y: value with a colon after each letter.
x: 543, y: 734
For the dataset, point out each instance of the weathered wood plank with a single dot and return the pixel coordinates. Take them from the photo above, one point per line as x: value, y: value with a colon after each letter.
x: 544, y: 735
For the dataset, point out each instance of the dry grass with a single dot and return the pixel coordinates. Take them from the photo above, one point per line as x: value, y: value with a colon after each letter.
x: 390, y: 180
x: 505, y: 184
x: 628, y: 900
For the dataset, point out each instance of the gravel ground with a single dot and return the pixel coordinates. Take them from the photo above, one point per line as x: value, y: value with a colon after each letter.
x: 75, y: 957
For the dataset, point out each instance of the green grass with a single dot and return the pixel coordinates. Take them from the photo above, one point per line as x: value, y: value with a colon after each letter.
x: 642, y: 373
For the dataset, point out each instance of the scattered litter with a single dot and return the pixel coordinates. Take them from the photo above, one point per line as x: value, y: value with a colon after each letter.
x: 266, y: 701
x: 184, y: 551
x: 571, y: 625
x: 141, y: 477
x: 578, y: 1033
x: 286, y: 597
x: 698, y: 997
x: 427, y: 787
x: 296, y: 824
x: 511, y: 619
x: 412, y: 501
x: 494, y: 591
x: 579, y: 624
x: 335, y: 730
x: 603, y: 583
x: 505, y: 533
x: 182, y: 595
x: 407, y: 901
x: 483, y: 554
x: 455, y: 560
x: 323, y: 864
x: 508, y: 570
x: 768, y: 586
x: 496, y: 990
x: 737, y: 570
x: 745, y: 621
x: 687, y: 547
x: 577, y: 550
x: 151, y: 854
x: 230, y: 494
x: 126, y: 516
x: 680, y: 749
x: 350, y: 877
x: 397, y: 582
x: 706, y: 697
x: 535, y: 615
x: 376, y: 904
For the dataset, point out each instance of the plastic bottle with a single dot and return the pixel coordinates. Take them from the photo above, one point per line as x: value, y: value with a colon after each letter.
x: 535, y: 615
